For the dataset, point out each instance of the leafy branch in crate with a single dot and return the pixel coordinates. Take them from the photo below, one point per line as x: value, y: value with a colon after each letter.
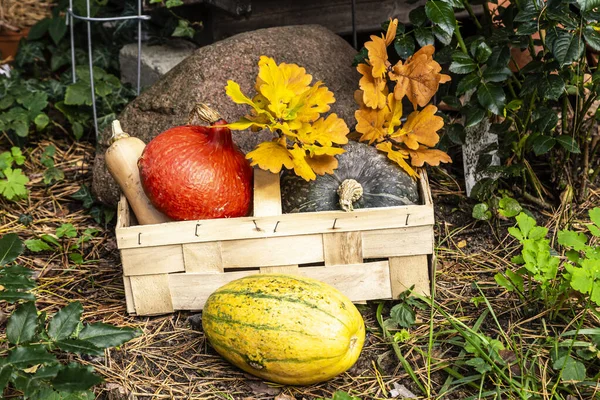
x: 379, y: 117
x: 30, y: 364
x: 288, y: 106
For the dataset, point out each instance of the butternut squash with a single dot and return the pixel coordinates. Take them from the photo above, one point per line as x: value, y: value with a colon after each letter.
x: 121, y: 160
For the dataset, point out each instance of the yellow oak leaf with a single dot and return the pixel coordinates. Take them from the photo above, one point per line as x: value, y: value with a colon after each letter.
x: 358, y: 98
x: 420, y: 128
x: 301, y: 167
x: 378, y: 57
x: 326, y: 131
x: 234, y: 92
x: 430, y: 156
x: 397, y: 156
x: 271, y: 156
x: 314, y: 150
x: 390, y: 35
x: 370, y: 123
x: 323, y: 164
x: 395, y: 108
x: 374, y: 89
x: 418, y: 78
x: 313, y: 102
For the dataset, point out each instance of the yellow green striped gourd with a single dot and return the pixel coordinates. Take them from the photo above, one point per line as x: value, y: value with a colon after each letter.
x: 284, y: 328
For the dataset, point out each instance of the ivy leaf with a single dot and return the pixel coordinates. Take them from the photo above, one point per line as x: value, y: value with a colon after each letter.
x: 481, y: 212
x: 543, y: 144
x: 13, y: 186
x: 75, y: 377
x: 566, y: 47
x: 462, y: 63
x: 29, y: 355
x: 491, y: 97
x: 569, y: 144
x: 57, y: 29
x: 467, y: 83
x: 592, y: 37
x: 173, y: 3
x: 405, y: 46
x: 53, y: 174
x: 442, y: 14
x: 22, y: 324
x: 64, y: 322
x: 39, y: 30
x: 184, y: 29
x: 84, y: 195
x: 403, y: 315
x: 104, y: 336
x: 577, y: 241
x: 509, y: 207
x: 594, y: 216
x: 66, y: 230
x: 456, y: 133
x: 572, y: 370
x: 479, y: 364
x: 10, y: 248
x: 78, y: 94
x: 37, y: 245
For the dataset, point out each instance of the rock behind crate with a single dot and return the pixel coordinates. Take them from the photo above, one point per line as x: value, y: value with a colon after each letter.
x: 202, y: 78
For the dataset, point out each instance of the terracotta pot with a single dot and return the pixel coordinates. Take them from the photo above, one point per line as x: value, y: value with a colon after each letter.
x: 9, y: 42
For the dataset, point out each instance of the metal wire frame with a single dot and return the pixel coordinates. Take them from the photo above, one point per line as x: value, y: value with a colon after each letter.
x: 89, y: 19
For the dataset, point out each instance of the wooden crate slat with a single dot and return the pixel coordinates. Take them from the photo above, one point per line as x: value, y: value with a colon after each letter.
x: 359, y: 282
x: 155, y: 260
x: 397, y: 242
x: 273, y: 226
x: 191, y: 290
x: 280, y: 269
x: 203, y: 257
x: 342, y: 248
x: 128, y: 295
x: 408, y: 271
x: 275, y: 251
x: 267, y: 193
x: 151, y: 294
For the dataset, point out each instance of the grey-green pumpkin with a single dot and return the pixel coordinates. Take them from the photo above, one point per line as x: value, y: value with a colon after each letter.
x: 365, y: 178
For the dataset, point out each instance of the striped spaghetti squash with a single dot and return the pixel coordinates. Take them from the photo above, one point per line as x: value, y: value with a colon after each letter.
x: 284, y: 328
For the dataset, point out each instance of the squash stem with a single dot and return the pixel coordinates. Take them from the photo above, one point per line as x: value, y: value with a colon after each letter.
x: 204, y: 113
x: 117, y: 132
x: 349, y: 191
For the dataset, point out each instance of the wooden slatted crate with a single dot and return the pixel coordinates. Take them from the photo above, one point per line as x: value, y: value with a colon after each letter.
x: 367, y: 254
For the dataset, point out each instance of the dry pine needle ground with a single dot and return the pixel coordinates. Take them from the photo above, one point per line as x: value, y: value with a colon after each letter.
x: 172, y: 360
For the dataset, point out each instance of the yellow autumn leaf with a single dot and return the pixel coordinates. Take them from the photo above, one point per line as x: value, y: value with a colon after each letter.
x: 390, y: 35
x: 378, y: 58
x: 315, y: 150
x: 374, y: 89
x: 323, y: 164
x: 420, y: 128
x: 313, y: 102
x: 397, y: 156
x: 234, y: 92
x: 370, y: 123
x: 430, y: 156
x: 326, y: 131
x: 395, y: 109
x: 301, y: 167
x: 418, y: 78
x: 271, y: 156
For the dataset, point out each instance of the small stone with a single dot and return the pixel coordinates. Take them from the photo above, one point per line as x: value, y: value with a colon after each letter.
x: 156, y: 60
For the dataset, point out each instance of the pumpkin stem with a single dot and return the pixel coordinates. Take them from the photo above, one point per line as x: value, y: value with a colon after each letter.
x: 349, y: 192
x: 117, y: 132
x: 204, y: 113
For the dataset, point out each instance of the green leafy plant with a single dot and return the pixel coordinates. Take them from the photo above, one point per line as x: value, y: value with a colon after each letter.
x: 30, y: 364
x: 184, y: 28
x: 527, y: 67
x: 12, y: 180
x: 65, y: 239
x: 51, y: 174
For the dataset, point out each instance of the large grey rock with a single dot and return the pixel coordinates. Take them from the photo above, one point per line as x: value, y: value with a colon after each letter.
x: 156, y: 60
x: 202, y: 78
